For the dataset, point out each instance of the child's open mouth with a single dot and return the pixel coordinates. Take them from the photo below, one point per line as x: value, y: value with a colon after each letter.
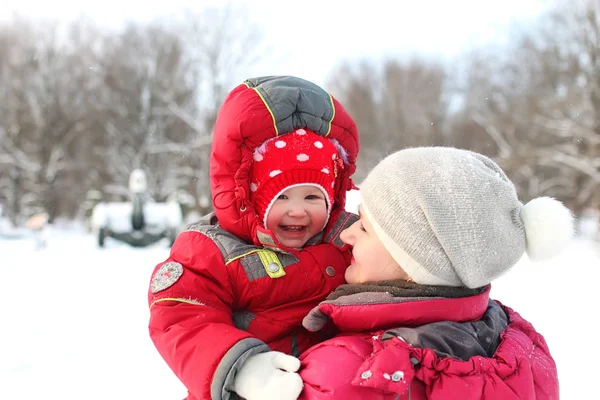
x: 292, y: 228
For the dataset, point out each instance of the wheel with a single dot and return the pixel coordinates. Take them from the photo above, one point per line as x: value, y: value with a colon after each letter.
x: 101, y: 236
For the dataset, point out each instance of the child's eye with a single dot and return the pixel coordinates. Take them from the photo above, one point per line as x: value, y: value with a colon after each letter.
x: 312, y: 197
x: 282, y: 197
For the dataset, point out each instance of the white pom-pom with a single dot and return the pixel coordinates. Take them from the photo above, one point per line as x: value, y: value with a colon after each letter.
x: 548, y: 226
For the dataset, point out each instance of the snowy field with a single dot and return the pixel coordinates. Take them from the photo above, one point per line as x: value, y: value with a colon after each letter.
x: 74, y: 318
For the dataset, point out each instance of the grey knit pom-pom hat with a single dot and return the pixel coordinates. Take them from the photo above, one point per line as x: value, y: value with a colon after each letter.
x: 452, y: 217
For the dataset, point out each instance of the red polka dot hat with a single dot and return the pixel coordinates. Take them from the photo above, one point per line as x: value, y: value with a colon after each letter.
x: 297, y: 158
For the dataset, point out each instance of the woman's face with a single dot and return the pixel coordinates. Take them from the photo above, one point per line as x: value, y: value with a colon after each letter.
x: 371, y: 261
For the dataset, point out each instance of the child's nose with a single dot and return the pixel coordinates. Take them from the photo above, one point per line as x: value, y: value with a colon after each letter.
x: 297, y: 210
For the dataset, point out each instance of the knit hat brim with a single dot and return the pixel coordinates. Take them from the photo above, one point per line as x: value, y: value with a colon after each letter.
x: 416, y: 272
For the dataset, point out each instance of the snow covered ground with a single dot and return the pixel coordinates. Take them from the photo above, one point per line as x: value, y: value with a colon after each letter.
x: 73, y: 318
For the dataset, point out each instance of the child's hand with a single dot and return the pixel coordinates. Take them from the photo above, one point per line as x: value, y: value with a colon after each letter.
x: 269, y: 376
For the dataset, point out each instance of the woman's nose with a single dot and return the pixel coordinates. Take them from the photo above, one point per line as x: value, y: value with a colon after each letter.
x: 347, y: 234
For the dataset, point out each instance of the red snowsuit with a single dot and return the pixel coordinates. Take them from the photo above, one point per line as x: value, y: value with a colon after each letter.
x: 466, y: 348
x: 228, y: 290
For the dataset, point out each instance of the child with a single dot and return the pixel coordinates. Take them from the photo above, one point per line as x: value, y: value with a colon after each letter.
x: 227, y: 305
x: 437, y: 225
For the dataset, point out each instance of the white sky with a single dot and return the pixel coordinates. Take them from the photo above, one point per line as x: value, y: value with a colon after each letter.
x: 334, y: 30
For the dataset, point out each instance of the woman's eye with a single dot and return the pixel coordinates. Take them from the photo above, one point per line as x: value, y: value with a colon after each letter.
x: 362, y: 228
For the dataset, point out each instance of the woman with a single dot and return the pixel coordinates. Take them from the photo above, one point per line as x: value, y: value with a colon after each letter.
x: 437, y: 226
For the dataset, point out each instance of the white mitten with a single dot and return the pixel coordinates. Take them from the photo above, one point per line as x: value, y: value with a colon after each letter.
x: 269, y: 376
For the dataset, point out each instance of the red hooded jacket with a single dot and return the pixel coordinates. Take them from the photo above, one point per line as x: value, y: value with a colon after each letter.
x: 228, y: 290
x: 467, y: 348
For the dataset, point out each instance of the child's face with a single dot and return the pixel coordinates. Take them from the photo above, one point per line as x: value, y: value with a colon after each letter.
x: 298, y: 214
x: 371, y: 262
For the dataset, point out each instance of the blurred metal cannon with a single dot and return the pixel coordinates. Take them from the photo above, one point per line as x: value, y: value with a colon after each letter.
x: 139, y: 222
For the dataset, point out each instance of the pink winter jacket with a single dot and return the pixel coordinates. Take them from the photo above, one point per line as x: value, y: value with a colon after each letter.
x: 426, y: 348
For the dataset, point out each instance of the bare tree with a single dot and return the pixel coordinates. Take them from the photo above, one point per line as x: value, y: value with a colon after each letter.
x: 498, y: 101
x: 42, y: 119
x: 221, y: 45
x: 84, y: 107
x: 398, y: 105
x: 143, y: 67
x: 538, y: 102
x: 569, y: 48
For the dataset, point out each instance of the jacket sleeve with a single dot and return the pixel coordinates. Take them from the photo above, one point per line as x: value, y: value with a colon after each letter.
x: 389, y: 368
x: 191, y: 300
x: 328, y: 370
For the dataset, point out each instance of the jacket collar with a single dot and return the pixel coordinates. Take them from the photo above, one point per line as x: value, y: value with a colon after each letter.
x: 375, y: 310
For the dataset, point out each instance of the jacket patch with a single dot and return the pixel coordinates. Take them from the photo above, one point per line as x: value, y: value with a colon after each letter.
x: 294, y: 103
x: 263, y: 262
x: 271, y: 263
x: 166, y: 276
